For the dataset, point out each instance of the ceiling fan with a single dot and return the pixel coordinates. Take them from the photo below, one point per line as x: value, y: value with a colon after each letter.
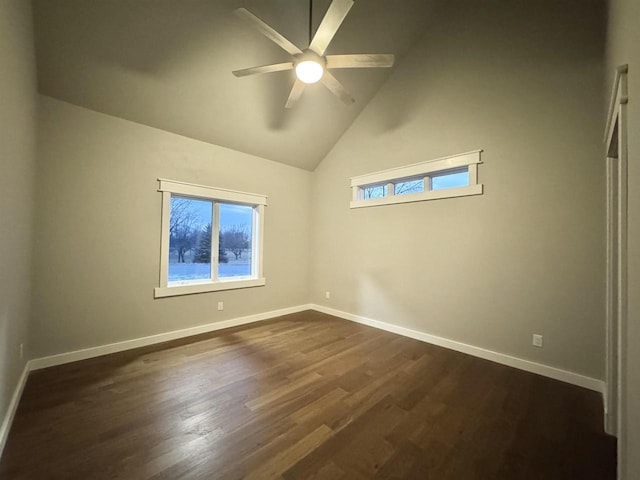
x: 311, y: 65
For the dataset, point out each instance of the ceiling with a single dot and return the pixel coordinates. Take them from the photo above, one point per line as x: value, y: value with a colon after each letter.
x: 168, y: 63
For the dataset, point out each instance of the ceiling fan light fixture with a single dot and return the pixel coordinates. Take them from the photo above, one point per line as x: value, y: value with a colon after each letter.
x: 313, y: 65
x: 309, y: 71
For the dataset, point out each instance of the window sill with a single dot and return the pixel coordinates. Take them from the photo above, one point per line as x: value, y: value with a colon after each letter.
x: 420, y: 197
x: 162, y: 292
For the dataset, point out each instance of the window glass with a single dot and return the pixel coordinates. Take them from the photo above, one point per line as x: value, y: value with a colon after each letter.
x: 236, y: 233
x: 190, y: 239
x: 410, y: 186
x: 449, y: 180
x: 376, y: 191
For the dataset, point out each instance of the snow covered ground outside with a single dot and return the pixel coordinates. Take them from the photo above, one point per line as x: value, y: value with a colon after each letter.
x: 201, y: 271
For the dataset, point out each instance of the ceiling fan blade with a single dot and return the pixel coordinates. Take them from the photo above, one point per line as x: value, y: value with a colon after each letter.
x: 329, y: 25
x: 268, y: 32
x: 337, y: 88
x: 276, y: 67
x: 362, y: 60
x: 296, y: 92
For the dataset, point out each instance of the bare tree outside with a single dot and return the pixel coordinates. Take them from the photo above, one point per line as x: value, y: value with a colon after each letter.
x: 183, y: 231
x: 377, y: 191
x: 235, y: 239
x: 409, y: 186
x: 399, y: 188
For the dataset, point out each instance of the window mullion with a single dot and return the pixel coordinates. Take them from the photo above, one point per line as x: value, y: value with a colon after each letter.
x: 215, y: 241
x: 390, y: 189
x: 257, y: 241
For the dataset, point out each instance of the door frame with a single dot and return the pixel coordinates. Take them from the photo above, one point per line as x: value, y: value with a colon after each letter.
x: 616, y: 148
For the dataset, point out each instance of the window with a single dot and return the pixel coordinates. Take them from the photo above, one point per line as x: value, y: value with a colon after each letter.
x: 454, y: 176
x: 211, y: 239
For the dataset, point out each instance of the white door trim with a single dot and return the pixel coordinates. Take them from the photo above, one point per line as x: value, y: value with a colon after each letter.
x: 616, y: 148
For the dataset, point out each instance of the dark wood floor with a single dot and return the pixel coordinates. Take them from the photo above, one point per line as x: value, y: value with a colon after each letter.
x: 303, y: 396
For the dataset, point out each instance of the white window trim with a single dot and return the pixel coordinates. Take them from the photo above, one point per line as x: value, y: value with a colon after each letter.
x: 193, y: 190
x: 169, y: 187
x: 415, y: 171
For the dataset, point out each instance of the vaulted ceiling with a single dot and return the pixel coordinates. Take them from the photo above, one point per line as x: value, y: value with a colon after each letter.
x: 168, y: 63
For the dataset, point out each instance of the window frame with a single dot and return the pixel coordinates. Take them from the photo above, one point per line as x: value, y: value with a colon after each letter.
x: 170, y: 188
x: 424, y: 170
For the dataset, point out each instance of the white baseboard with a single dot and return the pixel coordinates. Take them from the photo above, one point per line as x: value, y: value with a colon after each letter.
x: 92, y: 352
x: 527, y: 365
x: 13, y: 406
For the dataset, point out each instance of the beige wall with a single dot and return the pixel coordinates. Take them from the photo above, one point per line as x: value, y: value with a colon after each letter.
x: 623, y: 46
x: 98, y: 229
x: 17, y: 164
x: 521, y: 80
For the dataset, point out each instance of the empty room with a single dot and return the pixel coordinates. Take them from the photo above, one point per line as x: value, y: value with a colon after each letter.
x: 320, y: 239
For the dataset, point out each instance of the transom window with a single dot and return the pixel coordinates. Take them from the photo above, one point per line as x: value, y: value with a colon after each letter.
x: 454, y: 176
x: 211, y: 239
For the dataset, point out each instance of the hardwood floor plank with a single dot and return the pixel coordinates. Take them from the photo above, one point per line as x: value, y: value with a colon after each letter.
x: 289, y: 389
x: 285, y: 459
x: 304, y: 396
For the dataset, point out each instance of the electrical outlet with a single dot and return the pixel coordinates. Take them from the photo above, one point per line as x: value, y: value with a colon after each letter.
x: 21, y: 350
x: 220, y: 305
x: 327, y: 294
x: 537, y: 340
